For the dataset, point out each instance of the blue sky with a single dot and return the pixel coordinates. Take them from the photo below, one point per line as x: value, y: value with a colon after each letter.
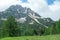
x: 24, y: 1
x: 50, y: 2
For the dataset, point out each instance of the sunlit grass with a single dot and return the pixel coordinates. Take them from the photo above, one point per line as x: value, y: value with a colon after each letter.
x: 48, y: 37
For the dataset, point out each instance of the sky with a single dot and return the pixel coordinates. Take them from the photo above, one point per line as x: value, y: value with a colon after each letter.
x: 45, y: 8
x: 24, y: 1
x: 50, y: 2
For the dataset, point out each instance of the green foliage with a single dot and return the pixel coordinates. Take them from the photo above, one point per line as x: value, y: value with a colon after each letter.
x: 58, y: 26
x: 50, y: 30
x: 26, y: 29
x: 10, y: 27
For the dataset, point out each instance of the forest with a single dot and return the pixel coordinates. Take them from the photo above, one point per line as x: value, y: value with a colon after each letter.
x: 11, y: 28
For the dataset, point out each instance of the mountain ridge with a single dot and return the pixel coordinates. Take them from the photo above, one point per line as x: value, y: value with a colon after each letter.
x: 23, y: 14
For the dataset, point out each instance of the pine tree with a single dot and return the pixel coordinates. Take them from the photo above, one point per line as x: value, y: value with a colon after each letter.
x: 58, y: 26
x: 11, y: 28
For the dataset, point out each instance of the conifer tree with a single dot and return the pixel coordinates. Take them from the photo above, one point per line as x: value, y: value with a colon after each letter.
x: 11, y: 28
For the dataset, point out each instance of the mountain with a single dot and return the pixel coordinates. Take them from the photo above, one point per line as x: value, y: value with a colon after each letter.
x: 25, y: 15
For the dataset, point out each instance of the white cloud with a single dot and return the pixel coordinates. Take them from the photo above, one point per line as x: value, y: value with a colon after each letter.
x: 56, y: 10
x: 39, y: 6
x: 6, y: 3
x: 55, y: 6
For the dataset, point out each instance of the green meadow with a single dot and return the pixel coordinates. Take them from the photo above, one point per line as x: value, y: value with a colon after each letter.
x: 48, y: 37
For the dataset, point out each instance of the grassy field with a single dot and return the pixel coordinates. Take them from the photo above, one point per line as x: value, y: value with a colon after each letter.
x: 49, y: 37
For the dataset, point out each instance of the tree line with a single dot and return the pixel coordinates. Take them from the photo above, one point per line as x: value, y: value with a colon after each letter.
x: 11, y: 28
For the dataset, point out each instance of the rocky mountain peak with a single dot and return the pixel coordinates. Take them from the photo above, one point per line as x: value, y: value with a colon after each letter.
x: 23, y: 14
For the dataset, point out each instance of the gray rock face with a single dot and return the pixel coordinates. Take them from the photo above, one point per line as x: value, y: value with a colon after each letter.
x: 24, y: 15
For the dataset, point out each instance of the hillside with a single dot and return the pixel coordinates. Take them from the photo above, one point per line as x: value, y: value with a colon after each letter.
x: 49, y: 37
